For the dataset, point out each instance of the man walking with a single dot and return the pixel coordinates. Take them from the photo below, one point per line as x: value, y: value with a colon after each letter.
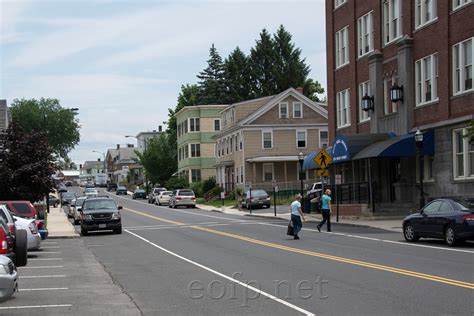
x: 296, y: 215
x: 326, y: 210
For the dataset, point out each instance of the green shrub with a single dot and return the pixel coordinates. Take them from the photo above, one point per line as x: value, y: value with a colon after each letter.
x: 197, y: 187
x: 208, y: 184
x: 177, y: 183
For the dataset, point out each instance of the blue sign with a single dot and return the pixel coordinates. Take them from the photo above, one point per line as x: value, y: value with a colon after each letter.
x: 340, y: 149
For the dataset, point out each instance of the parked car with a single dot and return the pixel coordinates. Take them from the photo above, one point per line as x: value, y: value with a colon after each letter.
x: 100, y: 213
x: 8, y: 278
x: 14, y: 246
x: 89, y: 192
x: 111, y: 186
x: 139, y: 194
x: 82, y: 183
x: 90, y: 184
x: 76, y: 214
x: 21, y: 208
x: 121, y: 190
x: 184, y: 197
x: 163, y: 198
x: 451, y: 219
x: 258, y: 198
x: 33, y: 238
x: 67, y: 197
x: 53, y: 201
x: 154, y: 193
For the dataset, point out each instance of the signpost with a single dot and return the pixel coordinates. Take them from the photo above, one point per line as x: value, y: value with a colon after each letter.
x: 275, y: 190
x: 322, y: 159
x: 322, y: 173
x: 338, y: 181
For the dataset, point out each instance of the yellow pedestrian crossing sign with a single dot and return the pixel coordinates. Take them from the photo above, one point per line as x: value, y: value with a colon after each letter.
x: 322, y: 173
x: 323, y: 159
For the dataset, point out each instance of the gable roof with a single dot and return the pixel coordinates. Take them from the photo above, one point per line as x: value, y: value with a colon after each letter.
x: 91, y: 164
x: 315, y: 106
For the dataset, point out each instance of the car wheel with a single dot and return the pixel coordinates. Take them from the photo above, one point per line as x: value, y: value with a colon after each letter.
x: 409, y: 233
x: 450, y: 236
x: 84, y: 232
x: 159, y: 203
x: 76, y: 222
x: 21, y: 248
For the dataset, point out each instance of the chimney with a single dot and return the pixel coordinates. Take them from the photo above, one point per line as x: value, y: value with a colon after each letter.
x: 118, y: 146
x: 159, y: 128
x: 300, y: 90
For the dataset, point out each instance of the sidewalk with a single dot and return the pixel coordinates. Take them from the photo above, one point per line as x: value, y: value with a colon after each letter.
x: 394, y: 225
x: 59, y: 225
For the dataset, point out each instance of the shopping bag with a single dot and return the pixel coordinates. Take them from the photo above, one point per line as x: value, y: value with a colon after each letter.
x: 289, y: 231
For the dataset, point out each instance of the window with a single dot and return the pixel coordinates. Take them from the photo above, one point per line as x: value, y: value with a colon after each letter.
x: 297, y: 110
x: 242, y: 174
x: 267, y: 139
x: 301, y: 139
x: 338, y: 3
x: 232, y: 115
x: 364, y: 89
x: 224, y: 119
x: 445, y: 207
x: 267, y: 172
x: 241, y: 141
x: 462, y: 66
x: 389, y: 107
x: 236, y: 142
x: 463, y: 155
x: 283, y: 106
x: 217, y: 125
x: 342, y: 47
x: 432, y: 208
x: 425, y: 11
x: 365, y: 33
x: 428, y: 162
x: 342, y: 109
x: 231, y: 147
x: 426, y: 77
x: 227, y: 146
x: 195, y: 150
x: 391, y: 20
x: 195, y: 175
x: 186, y: 152
x: 194, y: 124
x: 460, y: 3
x: 323, y: 139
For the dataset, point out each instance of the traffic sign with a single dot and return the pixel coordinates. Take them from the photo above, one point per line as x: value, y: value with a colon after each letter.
x: 338, y: 179
x: 323, y: 159
x: 322, y: 173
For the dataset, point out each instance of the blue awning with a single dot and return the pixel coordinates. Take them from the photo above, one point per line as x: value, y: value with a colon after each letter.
x: 345, y: 147
x: 399, y: 146
x: 309, y: 163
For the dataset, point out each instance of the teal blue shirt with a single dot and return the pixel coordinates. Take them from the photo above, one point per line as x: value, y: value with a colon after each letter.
x: 294, y: 208
x: 325, y: 202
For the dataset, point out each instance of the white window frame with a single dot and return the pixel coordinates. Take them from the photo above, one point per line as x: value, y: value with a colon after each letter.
x: 195, y: 147
x: 364, y: 88
x: 282, y: 105
x: 422, y: 7
x: 300, y: 104
x: 421, y: 79
x: 338, y: 3
x: 217, y: 120
x: 389, y: 107
x: 458, y: 4
x: 321, y: 142
x: 343, y: 110
x: 341, y: 47
x: 197, y: 124
x: 365, y: 34
x: 468, y: 170
x: 459, y: 66
x: 266, y: 131
x: 391, y: 12
x: 263, y: 170
x: 305, y: 137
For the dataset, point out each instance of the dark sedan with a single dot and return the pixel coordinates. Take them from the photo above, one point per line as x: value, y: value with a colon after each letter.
x: 139, y: 194
x: 451, y: 219
x: 121, y: 190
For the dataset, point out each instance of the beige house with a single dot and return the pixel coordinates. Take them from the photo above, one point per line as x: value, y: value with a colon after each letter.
x: 261, y: 138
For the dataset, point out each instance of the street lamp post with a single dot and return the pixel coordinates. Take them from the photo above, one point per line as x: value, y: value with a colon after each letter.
x: 419, y: 145
x: 301, y: 160
x: 144, y: 153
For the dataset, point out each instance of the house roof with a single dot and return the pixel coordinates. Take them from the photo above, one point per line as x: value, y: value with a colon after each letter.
x: 125, y: 153
x: 205, y: 106
x: 91, y: 164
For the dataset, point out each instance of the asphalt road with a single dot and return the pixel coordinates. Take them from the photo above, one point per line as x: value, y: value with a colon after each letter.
x: 189, y: 261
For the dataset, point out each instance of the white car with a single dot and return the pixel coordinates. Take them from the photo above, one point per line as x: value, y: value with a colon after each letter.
x: 8, y: 278
x: 163, y: 198
x: 91, y: 192
x: 32, y: 234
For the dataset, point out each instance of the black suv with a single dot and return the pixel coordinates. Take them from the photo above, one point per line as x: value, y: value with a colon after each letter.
x: 111, y: 186
x: 100, y: 213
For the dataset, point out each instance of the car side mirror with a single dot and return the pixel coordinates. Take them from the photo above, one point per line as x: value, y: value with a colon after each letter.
x: 119, y: 207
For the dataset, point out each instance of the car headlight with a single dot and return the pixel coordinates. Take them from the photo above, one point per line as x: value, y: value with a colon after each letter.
x: 87, y: 217
x: 116, y: 215
x: 33, y: 228
x: 4, y: 269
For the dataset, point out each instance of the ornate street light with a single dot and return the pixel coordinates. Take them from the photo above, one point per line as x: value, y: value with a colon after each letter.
x: 419, y: 146
x: 396, y: 93
x: 367, y: 103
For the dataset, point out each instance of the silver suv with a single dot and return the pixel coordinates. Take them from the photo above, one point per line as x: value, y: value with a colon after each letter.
x: 184, y: 197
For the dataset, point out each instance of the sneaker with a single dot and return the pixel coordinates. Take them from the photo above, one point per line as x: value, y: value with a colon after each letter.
x: 296, y: 237
x: 319, y: 228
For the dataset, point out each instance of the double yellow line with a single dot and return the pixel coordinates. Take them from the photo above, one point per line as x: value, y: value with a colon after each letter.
x: 370, y: 265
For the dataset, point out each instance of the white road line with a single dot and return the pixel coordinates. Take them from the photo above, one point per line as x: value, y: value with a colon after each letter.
x: 42, y: 276
x: 167, y: 225
x: 44, y: 259
x: 34, y: 306
x: 41, y: 267
x: 45, y: 289
x: 378, y: 240
x: 260, y: 292
x: 48, y: 252
x: 50, y: 247
x: 49, y: 242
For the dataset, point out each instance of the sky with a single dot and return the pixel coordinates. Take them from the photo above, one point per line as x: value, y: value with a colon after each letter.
x: 122, y: 63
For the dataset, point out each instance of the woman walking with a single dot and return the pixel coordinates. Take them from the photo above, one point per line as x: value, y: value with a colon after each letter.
x: 326, y: 210
x: 296, y: 216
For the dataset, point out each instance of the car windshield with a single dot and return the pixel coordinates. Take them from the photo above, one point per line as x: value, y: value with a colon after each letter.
x: 139, y: 191
x: 68, y: 195
x: 100, y: 205
x: 465, y: 204
x: 121, y: 188
x: 21, y: 208
x: 89, y: 190
x: 259, y: 193
x: 79, y: 202
x: 186, y: 193
x: 166, y: 193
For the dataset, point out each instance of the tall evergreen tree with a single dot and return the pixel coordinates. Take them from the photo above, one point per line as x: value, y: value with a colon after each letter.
x: 237, y: 77
x: 289, y: 69
x: 262, y: 65
x: 211, y: 84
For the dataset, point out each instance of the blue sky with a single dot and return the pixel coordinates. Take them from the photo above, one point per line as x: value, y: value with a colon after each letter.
x: 122, y: 63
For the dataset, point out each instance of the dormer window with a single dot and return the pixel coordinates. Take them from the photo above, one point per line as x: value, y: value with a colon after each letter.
x: 297, y: 110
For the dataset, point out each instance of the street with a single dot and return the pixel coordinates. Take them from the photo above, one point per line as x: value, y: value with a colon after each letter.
x: 191, y: 261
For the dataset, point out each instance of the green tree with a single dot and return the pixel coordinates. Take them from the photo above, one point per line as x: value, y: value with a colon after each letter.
x: 237, y: 77
x: 470, y: 132
x: 262, y: 66
x: 211, y: 84
x: 60, y: 124
x: 176, y: 183
x: 159, y: 161
x: 26, y: 167
x: 313, y: 90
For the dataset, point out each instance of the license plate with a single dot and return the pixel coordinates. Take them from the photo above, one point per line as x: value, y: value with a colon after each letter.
x: 102, y: 225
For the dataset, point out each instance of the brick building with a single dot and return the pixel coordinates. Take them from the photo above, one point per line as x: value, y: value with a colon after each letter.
x: 425, y: 47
